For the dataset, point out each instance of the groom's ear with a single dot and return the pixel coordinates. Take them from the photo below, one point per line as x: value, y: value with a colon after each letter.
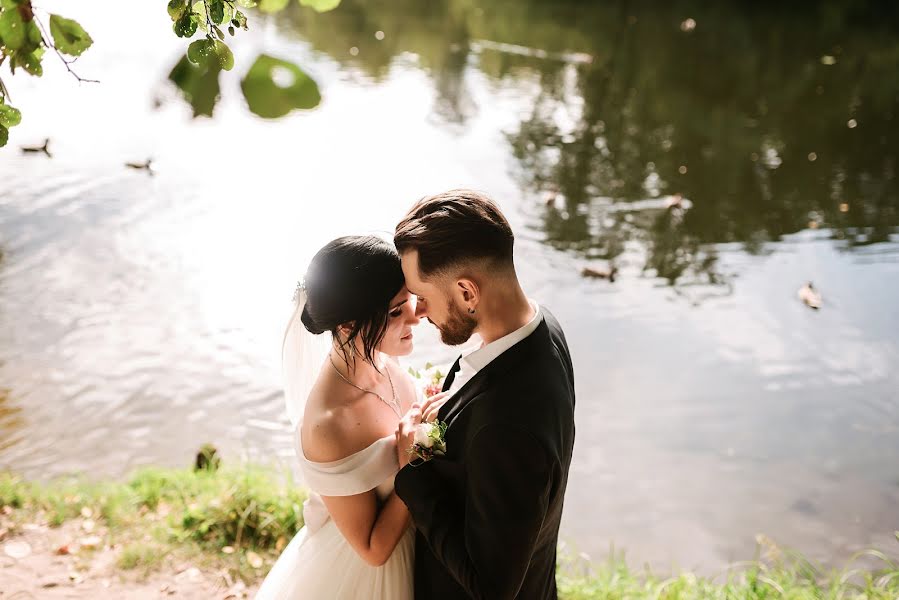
x: 470, y: 292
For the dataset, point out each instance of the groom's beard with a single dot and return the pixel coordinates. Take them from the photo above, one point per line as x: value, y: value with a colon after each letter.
x: 458, y: 327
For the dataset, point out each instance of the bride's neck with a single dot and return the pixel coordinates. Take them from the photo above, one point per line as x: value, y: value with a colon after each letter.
x: 360, y: 371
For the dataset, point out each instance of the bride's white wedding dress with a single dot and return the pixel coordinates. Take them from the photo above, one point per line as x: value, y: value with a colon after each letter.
x: 319, y: 563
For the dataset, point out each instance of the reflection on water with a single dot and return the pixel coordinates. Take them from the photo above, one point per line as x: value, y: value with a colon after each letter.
x: 714, y: 158
x: 771, y: 121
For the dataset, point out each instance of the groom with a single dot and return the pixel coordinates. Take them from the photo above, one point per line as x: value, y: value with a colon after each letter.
x: 487, y: 513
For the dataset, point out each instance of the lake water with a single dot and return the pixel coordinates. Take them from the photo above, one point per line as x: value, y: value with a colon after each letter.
x: 718, y: 158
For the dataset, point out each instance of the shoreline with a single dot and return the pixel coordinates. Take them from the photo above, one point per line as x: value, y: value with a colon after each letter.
x: 215, y: 532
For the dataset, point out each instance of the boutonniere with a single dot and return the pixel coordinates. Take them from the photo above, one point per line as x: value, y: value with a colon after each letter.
x: 429, y: 441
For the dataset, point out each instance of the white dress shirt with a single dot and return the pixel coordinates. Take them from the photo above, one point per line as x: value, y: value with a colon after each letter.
x: 471, y: 363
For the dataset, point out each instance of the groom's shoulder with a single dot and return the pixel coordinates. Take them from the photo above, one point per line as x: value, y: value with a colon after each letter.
x: 553, y: 325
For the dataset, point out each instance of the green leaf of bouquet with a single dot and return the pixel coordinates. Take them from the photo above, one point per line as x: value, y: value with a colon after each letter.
x: 9, y: 116
x: 12, y: 29
x: 4, y: 135
x: 240, y: 20
x: 176, y: 9
x: 10, y: 3
x: 321, y: 5
x: 272, y: 6
x: 274, y: 87
x: 70, y: 38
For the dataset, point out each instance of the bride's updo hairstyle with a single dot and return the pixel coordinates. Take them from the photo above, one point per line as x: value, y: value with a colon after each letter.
x: 351, y: 281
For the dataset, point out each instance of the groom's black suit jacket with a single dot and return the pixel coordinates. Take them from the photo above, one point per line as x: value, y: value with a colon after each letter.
x: 487, y: 514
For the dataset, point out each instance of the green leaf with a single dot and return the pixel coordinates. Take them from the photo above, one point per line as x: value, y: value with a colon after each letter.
x: 209, y: 53
x: 12, y: 29
x: 10, y: 3
x: 247, y: 3
x: 274, y: 87
x: 176, y: 9
x: 218, y: 32
x: 31, y: 62
x: 4, y: 135
x: 224, y: 56
x: 198, y: 84
x: 199, y: 51
x: 33, y: 34
x: 231, y: 30
x: 186, y: 26
x: 70, y: 38
x: 240, y: 20
x: 217, y: 11
x: 199, y: 9
x: 321, y: 5
x: 272, y: 6
x: 9, y: 116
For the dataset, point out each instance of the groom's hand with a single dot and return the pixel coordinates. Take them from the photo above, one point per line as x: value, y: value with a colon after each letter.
x: 405, y: 434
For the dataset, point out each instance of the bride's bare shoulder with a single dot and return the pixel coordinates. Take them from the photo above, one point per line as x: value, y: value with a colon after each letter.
x: 335, y: 429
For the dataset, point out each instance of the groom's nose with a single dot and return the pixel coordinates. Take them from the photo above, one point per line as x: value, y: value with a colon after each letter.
x: 420, y: 309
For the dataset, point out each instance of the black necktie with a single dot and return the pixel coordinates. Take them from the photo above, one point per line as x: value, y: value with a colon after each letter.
x: 451, y: 375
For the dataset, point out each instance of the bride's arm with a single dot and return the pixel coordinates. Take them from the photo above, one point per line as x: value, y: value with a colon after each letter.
x: 373, y: 529
x: 372, y: 532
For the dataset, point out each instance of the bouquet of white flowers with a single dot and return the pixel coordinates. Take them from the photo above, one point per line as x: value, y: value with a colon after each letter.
x: 429, y: 437
x: 430, y: 379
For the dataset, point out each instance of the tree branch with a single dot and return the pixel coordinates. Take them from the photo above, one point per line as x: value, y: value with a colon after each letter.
x: 3, y: 90
x: 61, y: 57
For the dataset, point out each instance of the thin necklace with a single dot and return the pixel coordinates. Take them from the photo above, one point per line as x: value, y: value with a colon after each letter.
x: 394, y: 404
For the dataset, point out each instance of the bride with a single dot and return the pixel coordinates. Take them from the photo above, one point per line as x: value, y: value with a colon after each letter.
x: 345, y: 399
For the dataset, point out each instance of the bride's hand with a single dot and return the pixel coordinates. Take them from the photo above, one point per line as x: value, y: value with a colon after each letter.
x: 432, y: 406
x: 405, y: 434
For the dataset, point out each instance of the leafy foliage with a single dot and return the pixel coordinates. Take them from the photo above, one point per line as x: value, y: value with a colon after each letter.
x: 23, y: 43
x: 24, y: 40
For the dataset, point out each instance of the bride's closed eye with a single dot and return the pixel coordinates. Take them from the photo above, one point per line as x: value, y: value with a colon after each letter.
x: 396, y: 312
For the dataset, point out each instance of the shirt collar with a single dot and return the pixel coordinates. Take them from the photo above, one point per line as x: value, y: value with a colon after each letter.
x: 483, y: 356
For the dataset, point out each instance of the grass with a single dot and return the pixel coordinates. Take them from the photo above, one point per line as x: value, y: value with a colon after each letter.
x: 237, y: 519
x: 241, y: 518
x: 143, y: 555
x: 782, y: 574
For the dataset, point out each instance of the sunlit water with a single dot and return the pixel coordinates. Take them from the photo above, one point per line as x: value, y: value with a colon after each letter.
x: 142, y: 316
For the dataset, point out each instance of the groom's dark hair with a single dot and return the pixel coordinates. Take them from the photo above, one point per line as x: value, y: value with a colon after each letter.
x: 452, y: 228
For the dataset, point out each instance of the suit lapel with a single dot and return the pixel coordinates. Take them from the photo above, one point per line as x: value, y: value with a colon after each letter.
x: 462, y: 397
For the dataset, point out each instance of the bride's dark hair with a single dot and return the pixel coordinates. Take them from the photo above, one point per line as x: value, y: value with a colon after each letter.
x: 351, y: 281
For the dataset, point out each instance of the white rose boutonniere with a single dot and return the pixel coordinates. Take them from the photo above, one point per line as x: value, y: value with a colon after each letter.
x: 429, y: 441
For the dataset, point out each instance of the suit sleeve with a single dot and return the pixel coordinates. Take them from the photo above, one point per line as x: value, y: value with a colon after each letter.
x: 486, y: 542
